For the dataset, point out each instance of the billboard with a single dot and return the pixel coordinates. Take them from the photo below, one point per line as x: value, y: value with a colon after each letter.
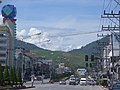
x: 9, y: 11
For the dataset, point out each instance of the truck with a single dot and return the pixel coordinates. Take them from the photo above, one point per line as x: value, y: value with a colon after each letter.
x: 81, y: 71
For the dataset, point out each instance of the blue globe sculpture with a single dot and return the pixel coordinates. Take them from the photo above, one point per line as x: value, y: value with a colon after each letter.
x: 9, y: 11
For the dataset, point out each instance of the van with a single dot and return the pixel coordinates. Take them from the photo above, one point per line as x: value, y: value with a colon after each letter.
x: 83, y: 81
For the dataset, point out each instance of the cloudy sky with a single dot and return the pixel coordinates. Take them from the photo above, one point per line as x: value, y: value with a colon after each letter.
x: 58, y: 21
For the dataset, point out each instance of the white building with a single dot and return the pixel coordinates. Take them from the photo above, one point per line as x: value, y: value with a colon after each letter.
x: 6, y: 46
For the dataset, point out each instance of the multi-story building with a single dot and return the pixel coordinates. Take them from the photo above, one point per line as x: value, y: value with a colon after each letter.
x: 7, y: 36
x: 4, y: 45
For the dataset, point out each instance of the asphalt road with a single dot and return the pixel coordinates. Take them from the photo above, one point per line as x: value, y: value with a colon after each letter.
x: 56, y: 86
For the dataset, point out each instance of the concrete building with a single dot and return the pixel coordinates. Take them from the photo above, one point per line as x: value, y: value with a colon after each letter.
x: 4, y: 45
x: 8, y: 36
x: 7, y: 48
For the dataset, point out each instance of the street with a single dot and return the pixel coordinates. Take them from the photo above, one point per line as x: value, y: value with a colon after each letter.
x: 56, y: 86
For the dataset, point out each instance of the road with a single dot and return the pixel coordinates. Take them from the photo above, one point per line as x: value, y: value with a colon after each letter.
x: 56, y: 86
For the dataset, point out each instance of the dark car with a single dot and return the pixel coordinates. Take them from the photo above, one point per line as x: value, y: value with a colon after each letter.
x: 115, y: 86
x: 51, y: 81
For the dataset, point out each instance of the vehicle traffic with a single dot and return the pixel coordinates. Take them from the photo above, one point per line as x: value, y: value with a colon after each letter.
x: 83, y: 81
x: 115, y: 86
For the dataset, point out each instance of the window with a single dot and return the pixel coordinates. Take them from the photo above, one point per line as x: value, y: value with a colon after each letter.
x: 86, y: 64
x: 90, y: 64
x: 92, y: 57
x: 2, y: 55
x: 2, y: 42
x: 2, y: 35
x: 2, y: 48
x: 86, y: 57
x: 2, y: 61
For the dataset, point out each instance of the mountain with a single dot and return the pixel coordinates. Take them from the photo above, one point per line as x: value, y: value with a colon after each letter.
x: 55, y: 56
x: 93, y: 48
x: 26, y: 45
x: 75, y: 57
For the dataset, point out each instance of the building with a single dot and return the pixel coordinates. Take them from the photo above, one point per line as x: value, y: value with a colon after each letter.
x: 8, y: 36
x: 4, y: 45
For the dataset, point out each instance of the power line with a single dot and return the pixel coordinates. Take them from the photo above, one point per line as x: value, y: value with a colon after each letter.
x: 76, y: 34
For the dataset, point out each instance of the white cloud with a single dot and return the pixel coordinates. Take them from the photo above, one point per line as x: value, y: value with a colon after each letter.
x: 44, y: 40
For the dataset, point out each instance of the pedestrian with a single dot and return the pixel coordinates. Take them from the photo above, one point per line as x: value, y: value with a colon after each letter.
x: 32, y: 79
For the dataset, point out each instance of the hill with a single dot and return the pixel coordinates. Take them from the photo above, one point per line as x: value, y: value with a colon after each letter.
x: 26, y: 45
x: 55, y: 56
x: 76, y: 57
x: 93, y: 48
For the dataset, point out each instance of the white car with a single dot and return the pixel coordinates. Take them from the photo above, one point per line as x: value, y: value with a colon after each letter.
x: 62, y: 82
x: 72, y: 81
x: 83, y: 81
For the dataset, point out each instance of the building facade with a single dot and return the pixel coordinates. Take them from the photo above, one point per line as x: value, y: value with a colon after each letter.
x: 8, y: 36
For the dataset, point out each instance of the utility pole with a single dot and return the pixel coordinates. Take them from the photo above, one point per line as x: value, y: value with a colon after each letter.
x: 102, y: 48
x: 114, y: 30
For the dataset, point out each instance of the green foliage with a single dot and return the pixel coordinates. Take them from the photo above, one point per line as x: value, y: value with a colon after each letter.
x: 19, y: 77
x: 1, y: 75
x: 57, y: 77
x: 14, y: 76
x: 59, y: 57
x: 6, y: 75
x: 11, y: 76
x: 103, y: 82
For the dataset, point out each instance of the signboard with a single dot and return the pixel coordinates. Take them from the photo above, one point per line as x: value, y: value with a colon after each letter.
x: 9, y: 11
x: 81, y: 71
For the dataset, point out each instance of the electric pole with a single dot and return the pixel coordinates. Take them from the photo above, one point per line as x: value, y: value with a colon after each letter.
x: 115, y: 30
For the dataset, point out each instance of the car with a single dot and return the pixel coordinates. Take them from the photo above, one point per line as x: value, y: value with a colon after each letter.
x: 39, y: 78
x: 83, y: 81
x: 115, y: 86
x: 62, y: 82
x: 51, y: 81
x: 72, y: 76
x: 72, y: 81
x: 91, y: 81
x: 77, y: 80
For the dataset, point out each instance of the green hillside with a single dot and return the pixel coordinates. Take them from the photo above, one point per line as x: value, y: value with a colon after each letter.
x: 75, y: 57
x: 58, y: 57
x: 93, y: 47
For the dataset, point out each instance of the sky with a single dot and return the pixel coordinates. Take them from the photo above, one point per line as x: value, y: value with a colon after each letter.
x: 57, y: 21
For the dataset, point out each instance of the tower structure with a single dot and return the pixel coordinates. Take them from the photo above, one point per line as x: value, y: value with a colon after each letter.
x: 9, y: 13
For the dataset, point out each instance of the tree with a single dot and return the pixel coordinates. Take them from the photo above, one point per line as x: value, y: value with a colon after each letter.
x: 6, y: 75
x: 19, y: 78
x: 1, y: 76
x: 11, y: 76
x: 14, y: 76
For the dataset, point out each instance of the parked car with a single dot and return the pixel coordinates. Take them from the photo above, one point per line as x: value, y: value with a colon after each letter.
x: 39, y: 78
x: 91, y: 81
x: 51, y: 81
x: 115, y: 86
x: 83, y: 81
x: 72, y: 81
x: 77, y: 80
x: 62, y: 82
